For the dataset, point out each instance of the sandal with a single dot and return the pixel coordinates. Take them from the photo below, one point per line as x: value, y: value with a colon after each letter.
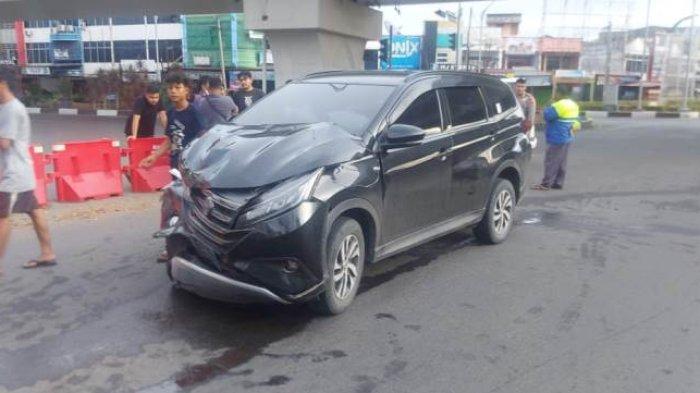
x: 540, y: 187
x: 35, y: 264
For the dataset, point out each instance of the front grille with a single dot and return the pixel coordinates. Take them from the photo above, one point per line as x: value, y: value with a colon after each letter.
x: 211, y: 219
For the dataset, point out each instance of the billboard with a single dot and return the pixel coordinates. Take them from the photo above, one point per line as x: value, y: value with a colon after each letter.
x: 405, y: 52
x: 520, y: 45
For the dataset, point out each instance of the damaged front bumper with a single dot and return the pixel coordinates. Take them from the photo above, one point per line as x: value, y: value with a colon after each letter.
x: 196, y: 278
x: 275, y: 260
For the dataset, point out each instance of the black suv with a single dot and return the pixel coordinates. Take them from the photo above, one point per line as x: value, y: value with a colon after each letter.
x: 340, y: 169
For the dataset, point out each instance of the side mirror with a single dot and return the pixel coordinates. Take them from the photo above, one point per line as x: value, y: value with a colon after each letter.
x: 402, y: 135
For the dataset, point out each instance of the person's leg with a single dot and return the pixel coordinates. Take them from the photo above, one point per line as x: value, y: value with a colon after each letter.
x: 41, y: 227
x: 561, y: 173
x: 5, y: 228
x: 550, y: 165
x: 6, y: 201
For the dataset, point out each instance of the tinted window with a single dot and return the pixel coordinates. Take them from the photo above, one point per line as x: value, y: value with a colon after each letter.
x: 466, y: 105
x: 424, y: 112
x: 352, y: 107
x: 499, y: 98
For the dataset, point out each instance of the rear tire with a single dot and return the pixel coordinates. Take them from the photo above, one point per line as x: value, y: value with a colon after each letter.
x: 345, y: 260
x: 498, y: 219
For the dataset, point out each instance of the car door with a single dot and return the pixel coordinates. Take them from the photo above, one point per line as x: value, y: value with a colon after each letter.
x: 472, y: 138
x: 416, y: 179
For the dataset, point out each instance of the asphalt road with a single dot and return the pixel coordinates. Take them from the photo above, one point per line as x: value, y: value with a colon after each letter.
x: 597, y: 290
x: 53, y: 128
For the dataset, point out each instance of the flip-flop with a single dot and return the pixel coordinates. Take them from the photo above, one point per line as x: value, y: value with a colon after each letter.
x: 540, y: 187
x: 35, y: 264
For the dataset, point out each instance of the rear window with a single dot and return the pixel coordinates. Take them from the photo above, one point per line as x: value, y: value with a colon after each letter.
x: 466, y: 105
x: 499, y: 98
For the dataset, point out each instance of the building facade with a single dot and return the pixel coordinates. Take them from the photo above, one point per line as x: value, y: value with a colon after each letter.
x: 84, y: 47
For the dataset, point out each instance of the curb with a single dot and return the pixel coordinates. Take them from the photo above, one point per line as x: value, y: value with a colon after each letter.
x: 67, y: 112
x: 107, y: 113
x: 642, y: 114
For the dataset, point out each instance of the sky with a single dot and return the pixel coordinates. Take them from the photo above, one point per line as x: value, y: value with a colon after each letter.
x: 566, y: 18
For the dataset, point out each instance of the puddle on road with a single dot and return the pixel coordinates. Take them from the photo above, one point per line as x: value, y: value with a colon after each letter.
x: 541, y: 217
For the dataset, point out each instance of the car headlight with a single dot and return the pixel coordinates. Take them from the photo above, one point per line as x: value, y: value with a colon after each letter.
x: 283, y: 197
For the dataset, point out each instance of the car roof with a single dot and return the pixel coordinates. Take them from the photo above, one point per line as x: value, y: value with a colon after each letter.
x: 390, y: 78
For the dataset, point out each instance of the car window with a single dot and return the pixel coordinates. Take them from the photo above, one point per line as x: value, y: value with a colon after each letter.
x: 466, y: 105
x: 352, y: 107
x: 499, y: 98
x: 424, y: 112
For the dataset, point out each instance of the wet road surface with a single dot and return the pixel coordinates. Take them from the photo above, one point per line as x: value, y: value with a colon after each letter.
x: 597, y: 289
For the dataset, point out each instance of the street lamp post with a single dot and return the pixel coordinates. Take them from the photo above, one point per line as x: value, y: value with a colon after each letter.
x: 688, y: 88
x: 481, y: 35
x: 644, y: 55
x: 459, y: 37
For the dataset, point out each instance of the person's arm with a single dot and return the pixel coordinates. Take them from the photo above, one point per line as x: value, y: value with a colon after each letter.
x: 153, y: 157
x: 533, y: 109
x: 233, y: 109
x: 135, y: 121
x: 550, y: 114
x: 163, y: 118
x: 8, y: 130
x: 139, y: 106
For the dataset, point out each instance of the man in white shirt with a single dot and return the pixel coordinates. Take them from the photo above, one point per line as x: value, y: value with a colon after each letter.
x: 17, y: 180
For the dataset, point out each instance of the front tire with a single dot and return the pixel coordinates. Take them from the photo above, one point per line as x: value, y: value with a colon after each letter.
x: 498, y: 219
x: 346, y: 262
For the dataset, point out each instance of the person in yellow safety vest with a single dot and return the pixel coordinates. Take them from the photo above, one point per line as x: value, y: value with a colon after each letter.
x: 562, y: 120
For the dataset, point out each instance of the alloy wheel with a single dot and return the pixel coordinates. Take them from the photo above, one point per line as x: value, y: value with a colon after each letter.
x: 345, y: 268
x: 502, y: 211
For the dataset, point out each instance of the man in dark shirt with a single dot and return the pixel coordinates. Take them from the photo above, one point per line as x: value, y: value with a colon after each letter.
x: 217, y: 107
x: 184, y: 124
x: 247, y: 95
x: 147, y: 108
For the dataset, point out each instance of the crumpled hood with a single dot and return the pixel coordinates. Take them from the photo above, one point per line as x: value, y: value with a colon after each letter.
x: 233, y: 156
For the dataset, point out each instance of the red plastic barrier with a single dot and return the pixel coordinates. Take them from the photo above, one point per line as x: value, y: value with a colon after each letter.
x: 87, y: 170
x: 40, y: 161
x: 147, y: 179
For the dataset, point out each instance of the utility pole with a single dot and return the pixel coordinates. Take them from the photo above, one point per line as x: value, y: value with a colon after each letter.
x: 644, y: 55
x: 391, y: 46
x: 264, y: 64
x: 691, y: 46
x: 111, y: 42
x: 145, y: 27
x: 158, y: 65
x: 481, y: 34
x: 469, y: 31
x: 608, y: 55
x: 459, y: 37
x: 221, y: 51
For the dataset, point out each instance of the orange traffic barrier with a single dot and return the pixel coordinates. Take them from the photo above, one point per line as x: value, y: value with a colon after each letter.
x: 40, y: 161
x: 146, y: 179
x: 87, y: 170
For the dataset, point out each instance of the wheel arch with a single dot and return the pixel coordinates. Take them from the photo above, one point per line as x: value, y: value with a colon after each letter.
x: 510, y: 170
x: 364, y: 213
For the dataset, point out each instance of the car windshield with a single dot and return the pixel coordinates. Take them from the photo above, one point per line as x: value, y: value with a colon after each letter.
x: 351, y: 107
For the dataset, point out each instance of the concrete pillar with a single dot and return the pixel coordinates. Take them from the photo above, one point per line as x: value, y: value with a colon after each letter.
x: 314, y: 35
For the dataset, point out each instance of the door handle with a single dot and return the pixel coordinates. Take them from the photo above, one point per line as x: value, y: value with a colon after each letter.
x: 444, y: 151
